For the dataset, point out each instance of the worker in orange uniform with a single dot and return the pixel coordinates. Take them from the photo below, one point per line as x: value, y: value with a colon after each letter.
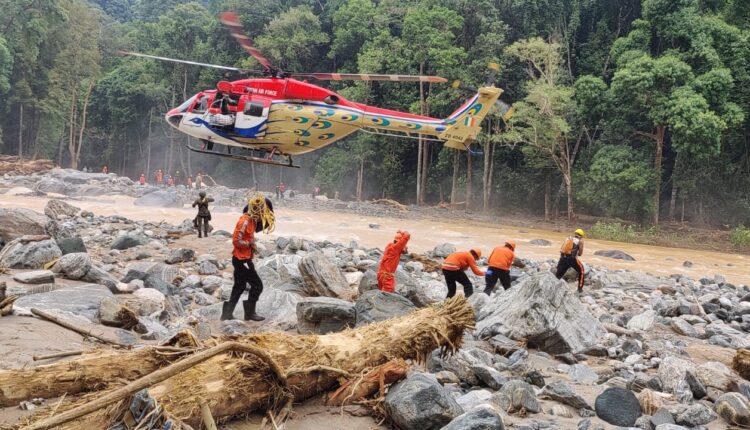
x: 499, y: 266
x: 142, y: 179
x: 243, y: 241
x: 571, y: 249
x: 453, y: 270
x: 389, y: 263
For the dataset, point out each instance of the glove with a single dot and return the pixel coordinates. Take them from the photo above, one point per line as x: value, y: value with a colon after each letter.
x: 488, y: 272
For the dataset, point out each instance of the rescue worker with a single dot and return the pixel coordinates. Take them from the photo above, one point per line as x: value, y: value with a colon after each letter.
x: 142, y: 179
x: 204, y: 215
x: 499, y: 264
x: 243, y: 241
x: 105, y: 169
x: 177, y: 177
x: 190, y: 181
x: 199, y: 180
x: 170, y: 181
x: 570, y: 250
x: 454, y: 267
x: 389, y: 262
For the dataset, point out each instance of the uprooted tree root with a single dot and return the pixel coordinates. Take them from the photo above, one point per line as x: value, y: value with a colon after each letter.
x: 236, y: 382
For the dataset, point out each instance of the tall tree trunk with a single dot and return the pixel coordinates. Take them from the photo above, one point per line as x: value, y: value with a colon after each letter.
x: 255, y: 180
x: 360, y: 176
x: 547, y: 192
x: 420, y: 145
x: 75, y: 158
x: 148, y: 144
x: 486, y: 176
x: 454, y: 181
x: 660, y: 132
x: 20, y: 130
x: 419, y: 170
x: 425, y: 169
x: 72, y: 129
x: 469, y: 190
x: 569, y: 190
x: 673, y: 199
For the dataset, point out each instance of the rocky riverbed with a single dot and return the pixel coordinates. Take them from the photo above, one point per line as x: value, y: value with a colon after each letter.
x: 634, y: 350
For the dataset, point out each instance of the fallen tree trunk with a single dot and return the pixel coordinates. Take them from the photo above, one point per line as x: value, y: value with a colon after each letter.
x: 235, y: 383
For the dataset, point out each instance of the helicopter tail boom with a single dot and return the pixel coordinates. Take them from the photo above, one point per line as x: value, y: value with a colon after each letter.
x: 465, y: 122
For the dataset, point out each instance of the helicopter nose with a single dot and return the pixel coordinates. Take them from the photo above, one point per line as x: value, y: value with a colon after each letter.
x: 174, y: 119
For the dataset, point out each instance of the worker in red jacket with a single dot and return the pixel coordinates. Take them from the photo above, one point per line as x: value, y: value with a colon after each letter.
x: 389, y: 262
x: 243, y: 242
x: 454, y: 267
x: 499, y: 266
x: 142, y: 179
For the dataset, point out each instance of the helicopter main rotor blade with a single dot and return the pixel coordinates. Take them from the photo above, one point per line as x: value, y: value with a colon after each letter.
x: 194, y: 63
x: 369, y: 77
x: 232, y: 22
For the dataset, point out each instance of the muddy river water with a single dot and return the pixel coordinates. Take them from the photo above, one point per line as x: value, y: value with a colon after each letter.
x: 344, y: 227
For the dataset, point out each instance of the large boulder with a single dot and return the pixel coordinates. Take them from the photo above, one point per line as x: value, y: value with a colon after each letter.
x: 368, y: 282
x: 322, y: 277
x: 615, y: 254
x: 643, y: 321
x: 482, y: 417
x: 56, y: 209
x: 83, y: 300
x: 52, y: 185
x: 734, y: 408
x: 278, y: 307
x: 27, y: 252
x: 622, y: 280
x: 420, y: 402
x: 561, y: 392
x: 15, y: 223
x: 421, y: 293
x: 70, y: 245
x: 321, y: 315
x: 375, y: 305
x: 517, y: 396
x: 543, y: 311
x: 161, y: 271
x: 160, y: 199
x: 180, y: 255
x: 79, y: 266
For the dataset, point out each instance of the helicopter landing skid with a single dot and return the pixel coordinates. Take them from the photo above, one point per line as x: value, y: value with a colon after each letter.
x: 248, y: 158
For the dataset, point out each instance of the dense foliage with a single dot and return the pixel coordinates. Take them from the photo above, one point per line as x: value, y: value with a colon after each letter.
x: 635, y: 109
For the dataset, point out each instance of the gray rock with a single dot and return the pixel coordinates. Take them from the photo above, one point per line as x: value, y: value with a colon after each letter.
x: 24, y: 254
x: 583, y: 374
x: 540, y: 242
x: 618, y: 407
x: 696, y: 386
x: 83, y: 300
x: 35, y: 277
x: 462, y: 363
x: 734, y: 408
x: 643, y: 321
x: 160, y: 199
x: 420, y: 402
x: 375, y: 305
x: 561, y: 392
x: 516, y: 396
x: 20, y: 222
x: 127, y: 241
x: 207, y: 268
x: 74, y: 266
x: 695, y: 415
x: 70, y: 245
x: 473, y: 398
x: 662, y: 416
x: 680, y: 326
x: 483, y: 417
x: 56, y: 209
x: 180, y: 255
x: 62, y: 229
x: 543, y: 311
x: 110, y: 313
x: 672, y: 370
x: 323, y: 278
x: 368, y: 282
x: 489, y: 376
x: 615, y: 254
x: 682, y: 392
x: 443, y: 250
x: 447, y: 377
x: 670, y: 427
x: 321, y: 315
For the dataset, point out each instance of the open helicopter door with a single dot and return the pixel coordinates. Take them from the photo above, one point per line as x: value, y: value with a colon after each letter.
x: 252, y: 118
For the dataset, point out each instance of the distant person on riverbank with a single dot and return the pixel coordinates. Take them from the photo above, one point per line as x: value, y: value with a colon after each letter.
x: 142, y: 179
x: 499, y: 264
x: 190, y: 181
x: 199, y: 180
x: 105, y: 169
x: 454, y: 268
x: 389, y: 262
x: 170, y: 181
x: 177, y: 177
x: 571, y: 249
x: 204, y: 215
x: 315, y: 191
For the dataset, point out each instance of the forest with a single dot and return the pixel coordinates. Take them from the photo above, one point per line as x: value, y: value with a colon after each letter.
x: 637, y: 110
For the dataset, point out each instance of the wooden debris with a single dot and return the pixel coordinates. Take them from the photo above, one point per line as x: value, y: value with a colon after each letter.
x: 430, y: 265
x: 12, y: 164
x: 56, y: 355
x: 392, y: 203
x: 6, y: 302
x: 75, y: 328
x: 370, y: 383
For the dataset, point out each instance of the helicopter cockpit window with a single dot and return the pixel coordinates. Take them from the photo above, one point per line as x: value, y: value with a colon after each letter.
x: 186, y: 104
x: 253, y: 109
x: 202, y: 105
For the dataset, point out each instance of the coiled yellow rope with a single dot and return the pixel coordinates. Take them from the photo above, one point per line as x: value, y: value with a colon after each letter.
x: 260, y: 212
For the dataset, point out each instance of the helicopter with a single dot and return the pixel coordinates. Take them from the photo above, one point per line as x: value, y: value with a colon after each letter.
x: 272, y: 117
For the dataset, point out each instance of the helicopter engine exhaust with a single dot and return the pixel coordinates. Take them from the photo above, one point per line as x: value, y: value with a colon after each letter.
x: 331, y: 100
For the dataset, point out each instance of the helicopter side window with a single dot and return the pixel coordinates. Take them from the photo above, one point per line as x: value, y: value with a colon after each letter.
x: 253, y: 109
x: 201, y: 106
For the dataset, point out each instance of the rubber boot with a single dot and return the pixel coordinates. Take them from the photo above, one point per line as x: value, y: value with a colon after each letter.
x: 488, y: 291
x: 250, y: 314
x: 226, y: 311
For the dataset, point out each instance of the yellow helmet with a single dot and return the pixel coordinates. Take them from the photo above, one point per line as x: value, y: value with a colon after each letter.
x: 580, y: 232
